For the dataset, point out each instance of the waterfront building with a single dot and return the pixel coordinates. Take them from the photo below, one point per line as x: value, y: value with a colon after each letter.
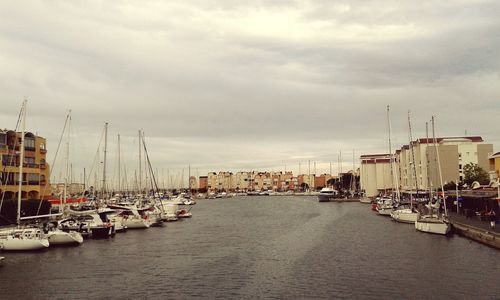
x: 375, y: 174
x: 203, y: 180
x: 494, y: 168
x: 454, y: 154
x: 193, y: 183
x: 72, y: 189
x: 35, y: 178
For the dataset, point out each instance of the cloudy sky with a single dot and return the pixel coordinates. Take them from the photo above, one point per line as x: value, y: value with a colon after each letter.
x: 228, y: 85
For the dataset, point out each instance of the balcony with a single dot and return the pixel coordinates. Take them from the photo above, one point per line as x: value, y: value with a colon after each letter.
x: 43, y: 166
x: 43, y: 151
x: 34, y: 166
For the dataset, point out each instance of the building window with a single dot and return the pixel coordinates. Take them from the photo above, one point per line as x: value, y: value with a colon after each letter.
x: 29, y: 143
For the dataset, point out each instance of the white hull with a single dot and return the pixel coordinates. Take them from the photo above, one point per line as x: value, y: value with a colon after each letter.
x: 433, y: 225
x: 1, y: 260
x: 365, y: 200
x: 64, y: 238
x: 133, y: 223
x: 404, y: 216
x: 16, y: 244
x: 385, y: 211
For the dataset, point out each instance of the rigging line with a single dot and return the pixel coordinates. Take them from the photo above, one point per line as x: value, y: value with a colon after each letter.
x: 95, y: 157
x: 153, y: 179
x: 52, y: 166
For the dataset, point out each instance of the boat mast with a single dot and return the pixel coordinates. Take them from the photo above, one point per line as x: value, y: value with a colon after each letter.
x: 119, y: 166
x: 439, y: 167
x: 21, y: 163
x: 427, y: 158
x: 394, y: 178
x: 139, y: 181
x: 65, y: 192
x: 412, y: 151
x: 104, y: 162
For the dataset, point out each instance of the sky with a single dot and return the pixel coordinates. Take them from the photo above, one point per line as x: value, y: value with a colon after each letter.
x: 247, y: 85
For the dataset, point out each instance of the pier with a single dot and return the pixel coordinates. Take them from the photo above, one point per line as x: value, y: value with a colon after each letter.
x: 477, y: 230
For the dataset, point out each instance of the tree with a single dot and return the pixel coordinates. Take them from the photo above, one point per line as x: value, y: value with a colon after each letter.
x: 473, y: 172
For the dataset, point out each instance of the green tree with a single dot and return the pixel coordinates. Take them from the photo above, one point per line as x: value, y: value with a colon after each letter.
x: 473, y: 172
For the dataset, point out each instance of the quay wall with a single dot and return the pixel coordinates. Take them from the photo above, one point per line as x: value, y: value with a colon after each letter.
x: 489, y: 238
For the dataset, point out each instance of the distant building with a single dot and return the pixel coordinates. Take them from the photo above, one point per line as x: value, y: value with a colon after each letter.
x: 35, y: 178
x: 375, y: 174
x: 454, y: 154
x: 72, y: 189
x: 494, y: 168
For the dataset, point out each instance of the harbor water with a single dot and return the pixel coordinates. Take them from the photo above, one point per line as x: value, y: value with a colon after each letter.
x: 261, y: 247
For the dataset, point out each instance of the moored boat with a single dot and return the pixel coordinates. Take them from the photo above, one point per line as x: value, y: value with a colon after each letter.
x: 327, y: 194
x: 23, y: 239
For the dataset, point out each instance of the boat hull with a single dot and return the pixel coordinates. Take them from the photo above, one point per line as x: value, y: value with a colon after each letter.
x: 133, y: 223
x: 16, y: 244
x: 433, y: 226
x: 65, y: 238
x: 404, y: 216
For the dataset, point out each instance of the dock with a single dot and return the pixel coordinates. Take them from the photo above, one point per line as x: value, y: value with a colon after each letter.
x: 474, y: 229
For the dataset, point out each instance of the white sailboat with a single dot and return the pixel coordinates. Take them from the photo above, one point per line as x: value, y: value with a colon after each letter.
x: 385, y: 205
x: 408, y: 214
x: 56, y: 236
x: 432, y: 221
x: 19, y: 238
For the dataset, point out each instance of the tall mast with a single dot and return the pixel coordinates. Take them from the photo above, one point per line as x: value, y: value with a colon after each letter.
x: 21, y: 163
x: 392, y: 158
x: 412, y: 152
x: 65, y: 192
x: 104, y: 162
x: 427, y: 159
x: 439, y: 167
x: 119, y: 166
x: 139, y: 181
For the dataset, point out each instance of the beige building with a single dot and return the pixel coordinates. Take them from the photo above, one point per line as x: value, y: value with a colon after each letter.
x: 72, y: 190
x: 454, y: 154
x: 375, y: 174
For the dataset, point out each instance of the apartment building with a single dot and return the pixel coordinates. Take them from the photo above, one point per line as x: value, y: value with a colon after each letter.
x: 376, y: 174
x: 35, y: 177
x: 418, y: 161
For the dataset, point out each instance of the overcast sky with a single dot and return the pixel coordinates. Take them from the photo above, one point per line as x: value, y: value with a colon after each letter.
x: 228, y: 85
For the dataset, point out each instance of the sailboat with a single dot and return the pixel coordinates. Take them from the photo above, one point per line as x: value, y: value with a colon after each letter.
x: 55, y: 235
x: 432, y: 221
x: 408, y: 214
x: 22, y: 238
x: 385, y: 205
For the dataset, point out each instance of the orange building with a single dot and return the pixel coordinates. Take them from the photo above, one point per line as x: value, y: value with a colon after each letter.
x: 35, y: 178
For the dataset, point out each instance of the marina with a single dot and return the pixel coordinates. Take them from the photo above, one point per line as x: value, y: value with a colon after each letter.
x: 247, y: 247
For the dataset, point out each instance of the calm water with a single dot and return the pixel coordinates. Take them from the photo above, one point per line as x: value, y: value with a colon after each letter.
x: 262, y: 247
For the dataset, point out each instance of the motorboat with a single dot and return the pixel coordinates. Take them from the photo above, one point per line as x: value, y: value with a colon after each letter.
x: 23, y: 239
x: 114, y: 217
x: 327, y: 194
x: 1, y: 260
x: 184, y: 213
x: 384, y: 206
x: 56, y: 236
x: 169, y: 210
x: 133, y: 219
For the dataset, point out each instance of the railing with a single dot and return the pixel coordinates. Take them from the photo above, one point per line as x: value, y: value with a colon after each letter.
x: 43, y: 151
x: 31, y: 166
x: 43, y: 166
